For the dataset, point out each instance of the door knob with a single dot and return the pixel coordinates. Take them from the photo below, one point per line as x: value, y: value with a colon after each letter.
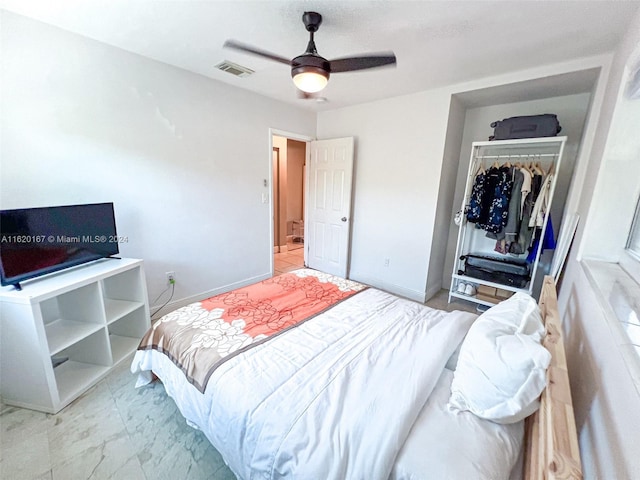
x: 344, y: 219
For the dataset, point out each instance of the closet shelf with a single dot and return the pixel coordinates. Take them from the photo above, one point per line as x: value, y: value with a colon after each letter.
x: 471, y: 298
x: 468, y: 279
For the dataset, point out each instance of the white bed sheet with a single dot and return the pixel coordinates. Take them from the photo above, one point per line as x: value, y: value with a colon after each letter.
x: 445, y: 445
x: 411, y: 464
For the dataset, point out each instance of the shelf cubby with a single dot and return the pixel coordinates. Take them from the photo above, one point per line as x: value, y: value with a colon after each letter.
x: 87, y: 361
x: 83, y: 320
x: 126, y: 332
x: 123, y: 294
x: 116, y: 309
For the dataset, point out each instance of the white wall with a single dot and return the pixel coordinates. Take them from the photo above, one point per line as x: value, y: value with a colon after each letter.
x: 182, y: 157
x: 400, y: 147
x: 571, y: 111
x: 607, y: 404
x: 398, y: 158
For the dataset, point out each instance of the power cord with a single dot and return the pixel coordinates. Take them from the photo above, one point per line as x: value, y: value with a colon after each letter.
x: 172, y: 285
x: 161, y: 294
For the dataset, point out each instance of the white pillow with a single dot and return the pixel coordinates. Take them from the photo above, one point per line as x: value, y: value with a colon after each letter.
x: 502, y: 366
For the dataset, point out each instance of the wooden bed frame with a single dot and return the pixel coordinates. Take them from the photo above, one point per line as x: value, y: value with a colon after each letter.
x: 551, y: 439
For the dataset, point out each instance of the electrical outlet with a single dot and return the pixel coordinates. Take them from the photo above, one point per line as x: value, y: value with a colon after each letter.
x: 386, y: 262
x: 171, y: 278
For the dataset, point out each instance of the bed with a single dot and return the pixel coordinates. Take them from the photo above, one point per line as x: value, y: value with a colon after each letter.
x: 310, y: 376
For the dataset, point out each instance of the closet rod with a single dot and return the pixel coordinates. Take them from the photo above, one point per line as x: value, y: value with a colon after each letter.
x: 531, y: 156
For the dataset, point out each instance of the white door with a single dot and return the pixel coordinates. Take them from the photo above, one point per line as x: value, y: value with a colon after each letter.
x: 328, y: 219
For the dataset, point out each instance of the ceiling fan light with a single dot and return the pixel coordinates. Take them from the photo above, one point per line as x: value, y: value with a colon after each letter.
x: 310, y: 79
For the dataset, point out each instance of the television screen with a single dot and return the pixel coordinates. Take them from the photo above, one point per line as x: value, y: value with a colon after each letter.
x: 37, y: 241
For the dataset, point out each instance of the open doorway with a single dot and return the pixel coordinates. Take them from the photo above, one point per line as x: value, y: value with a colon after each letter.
x: 288, y: 194
x: 324, y: 214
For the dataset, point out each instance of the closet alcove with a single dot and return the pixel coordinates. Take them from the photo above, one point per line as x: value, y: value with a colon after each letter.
x: 568, y: 95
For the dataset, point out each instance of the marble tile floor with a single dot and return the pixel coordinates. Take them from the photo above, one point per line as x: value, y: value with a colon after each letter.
x: 115, y: 432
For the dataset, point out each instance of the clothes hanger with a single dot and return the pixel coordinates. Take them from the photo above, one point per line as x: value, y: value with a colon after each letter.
x: 530, y: 166
x: 538, y: 167
x: 551, y: 170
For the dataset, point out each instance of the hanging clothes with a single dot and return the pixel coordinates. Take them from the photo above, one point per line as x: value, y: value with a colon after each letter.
x: 542, y: 203
x: 536, y: 183
x: 499, y: 235
x: 478, y: 209
x: 496, y: 197
x: 514, y: 218
x: 548, y: 242
x: 509, y: 233
x: 527, y: 178
x: 499, y: 209
x: 525, y: 232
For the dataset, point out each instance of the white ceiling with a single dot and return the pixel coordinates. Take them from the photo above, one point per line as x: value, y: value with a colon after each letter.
x: 436, y: 42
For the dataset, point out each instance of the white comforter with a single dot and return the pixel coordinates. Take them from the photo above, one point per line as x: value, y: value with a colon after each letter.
x: 334, y: 398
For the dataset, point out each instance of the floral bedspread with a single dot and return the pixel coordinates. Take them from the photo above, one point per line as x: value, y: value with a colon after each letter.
x: 198, y: 338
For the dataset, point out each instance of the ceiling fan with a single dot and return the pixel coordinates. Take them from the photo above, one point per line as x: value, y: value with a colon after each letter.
x: 310, y: 71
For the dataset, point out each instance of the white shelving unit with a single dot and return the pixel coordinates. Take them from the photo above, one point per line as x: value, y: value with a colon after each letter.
x: 547, y: 152
x: 85, y: 321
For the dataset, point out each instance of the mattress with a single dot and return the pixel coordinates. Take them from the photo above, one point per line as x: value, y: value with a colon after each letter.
x: 337, y: 397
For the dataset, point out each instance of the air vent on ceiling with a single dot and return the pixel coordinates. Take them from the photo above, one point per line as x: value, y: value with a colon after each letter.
x: 234, y: 69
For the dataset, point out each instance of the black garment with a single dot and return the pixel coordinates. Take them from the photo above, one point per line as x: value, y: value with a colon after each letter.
x: 498, y: 186
x: 477, y: 209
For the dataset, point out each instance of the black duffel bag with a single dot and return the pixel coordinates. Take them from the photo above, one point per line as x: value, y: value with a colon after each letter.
x: 511, y: 272
x: 532, y: 126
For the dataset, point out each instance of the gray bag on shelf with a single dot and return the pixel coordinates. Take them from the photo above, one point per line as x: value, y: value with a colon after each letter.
x: 532, y: 126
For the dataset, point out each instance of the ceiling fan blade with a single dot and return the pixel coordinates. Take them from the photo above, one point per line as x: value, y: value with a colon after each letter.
x: 361, y: 63
x: 255, y: 51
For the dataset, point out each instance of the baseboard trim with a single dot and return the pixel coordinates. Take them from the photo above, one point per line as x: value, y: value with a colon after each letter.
x: 388, y: 287
x: 432, y: 291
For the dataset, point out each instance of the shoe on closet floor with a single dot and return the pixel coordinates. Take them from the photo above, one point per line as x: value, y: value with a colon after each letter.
x: 470, y: 290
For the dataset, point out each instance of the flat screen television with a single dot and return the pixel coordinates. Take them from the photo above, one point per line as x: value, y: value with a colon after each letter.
x: 38, y: 241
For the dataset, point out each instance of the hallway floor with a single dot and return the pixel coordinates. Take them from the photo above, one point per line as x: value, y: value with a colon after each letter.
x: 288, y: 261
